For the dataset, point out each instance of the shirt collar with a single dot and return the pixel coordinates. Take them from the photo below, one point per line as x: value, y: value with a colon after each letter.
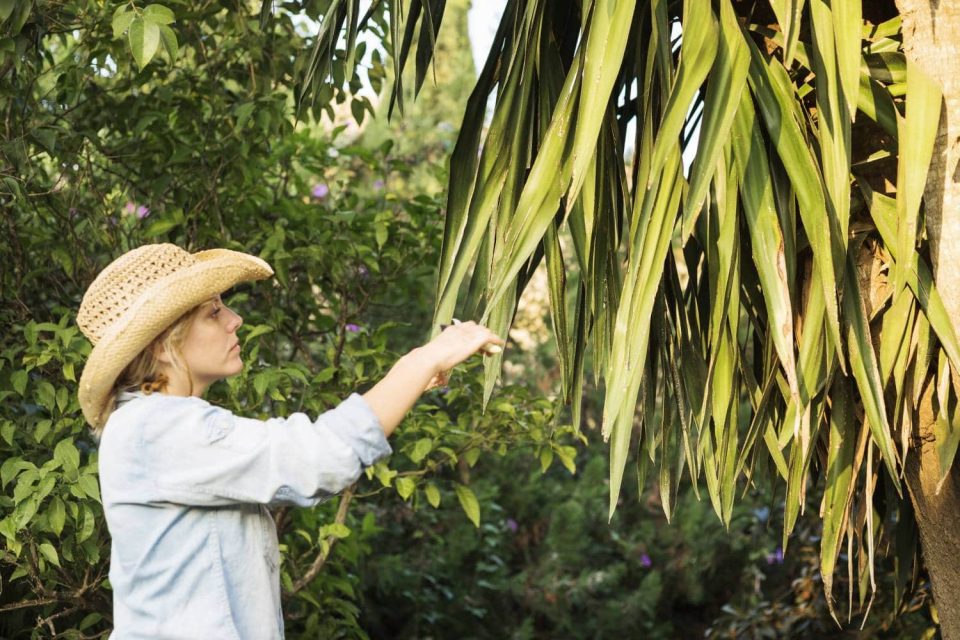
x: 126, y: 396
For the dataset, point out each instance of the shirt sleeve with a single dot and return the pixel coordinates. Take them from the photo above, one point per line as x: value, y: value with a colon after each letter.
x: 203, y: 455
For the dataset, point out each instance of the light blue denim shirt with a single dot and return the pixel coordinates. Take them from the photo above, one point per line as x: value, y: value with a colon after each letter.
x: 186, y: 487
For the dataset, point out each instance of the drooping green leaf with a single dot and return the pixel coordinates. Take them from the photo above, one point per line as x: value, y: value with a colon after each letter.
x: 724, y: 88
x: 158, y: 14
x: 916, y: 137
x: 469, y: 503
x: 48, y: 551
x: 122, y: 18
x: 863, y: 366
x: 144, y: 38
x: 788, y: 14
x: 841, y: 476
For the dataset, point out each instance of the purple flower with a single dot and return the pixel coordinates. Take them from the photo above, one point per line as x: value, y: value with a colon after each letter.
x: 776, y: 557
x: 512, y: 525
x: 320, y: 191
x: 378, y: 184
x: 645, y: 561
x: 143, y: 211
x: 363, y: 272
x: 353, y: 328
x: 130, y: 207
x: 72, y: 211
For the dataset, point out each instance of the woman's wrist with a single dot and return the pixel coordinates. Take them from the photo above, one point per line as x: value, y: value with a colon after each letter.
x: 420, y: 360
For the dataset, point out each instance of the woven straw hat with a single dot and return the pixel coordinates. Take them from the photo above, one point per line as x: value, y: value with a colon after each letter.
x: 137, y: 296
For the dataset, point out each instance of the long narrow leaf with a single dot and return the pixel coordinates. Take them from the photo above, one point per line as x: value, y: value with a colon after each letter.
x: 788, y: 14
x: 727, y: 80
x: 863, y: 366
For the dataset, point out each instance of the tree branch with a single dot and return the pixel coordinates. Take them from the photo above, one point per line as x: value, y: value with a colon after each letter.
x: 321, y: 559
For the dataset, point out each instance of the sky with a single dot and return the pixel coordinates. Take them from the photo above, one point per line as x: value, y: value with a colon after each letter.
x: 482, y: 21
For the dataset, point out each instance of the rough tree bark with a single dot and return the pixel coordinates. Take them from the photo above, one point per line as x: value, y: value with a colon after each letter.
x: 931, y: 34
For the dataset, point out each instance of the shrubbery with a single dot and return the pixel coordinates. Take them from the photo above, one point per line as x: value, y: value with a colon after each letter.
x: 103, y: 157
x: 99, y: 156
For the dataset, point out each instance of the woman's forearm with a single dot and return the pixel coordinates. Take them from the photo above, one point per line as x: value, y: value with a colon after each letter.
x: 395, y: 394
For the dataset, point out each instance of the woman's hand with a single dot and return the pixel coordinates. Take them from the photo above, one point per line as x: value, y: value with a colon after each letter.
x: 455, y: 344
x: 424, y: 368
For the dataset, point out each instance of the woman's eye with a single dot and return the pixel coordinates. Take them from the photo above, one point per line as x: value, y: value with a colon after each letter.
x: 216, y: 310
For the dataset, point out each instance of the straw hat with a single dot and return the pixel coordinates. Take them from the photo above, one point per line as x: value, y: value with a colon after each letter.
x: 137, y: 296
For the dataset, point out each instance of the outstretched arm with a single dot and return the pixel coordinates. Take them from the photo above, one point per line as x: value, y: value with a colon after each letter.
x: 392, y: 397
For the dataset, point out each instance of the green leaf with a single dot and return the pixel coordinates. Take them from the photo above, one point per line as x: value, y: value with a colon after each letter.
x: 158, y: 14
x: 696, y: 58
x: 724, y: 88
x: 144, y: 39
x: 336, y: 530
x: 654, y: 211
x: 89, y: 485
x: 946, y: 427
x: 405, y: 487
x: 92, y: 618
x: 766, y: 235
x: 469, y: 503
x: 433, y: 495
x: 788, y: 14
x: 256, y: 332
x: 604, y: 47
x: 848, y: 20
x: 381, y: 232
x: 86, y: 524
x: 840, y: 484
x: 47, y: 551
x: 775, y: 96
x: 57, y: 513
x: 421, y: 449
x: 46, y: 395
x: 169, y: 39
x: 122, y: 18
x: 243, y: 112
x: 19, y: 379
x: 916, y: 138
x: 11, y: 467
x: 384, y: 473
x: 864, y: 367
x: 6, y: 9
x: 546, y: 459
x: 567, y: 455
x: 471, y: 456
x: 358, y: 111
x: 67, y: 455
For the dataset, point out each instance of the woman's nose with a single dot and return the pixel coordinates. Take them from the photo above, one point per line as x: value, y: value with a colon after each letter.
x: 235, y: 320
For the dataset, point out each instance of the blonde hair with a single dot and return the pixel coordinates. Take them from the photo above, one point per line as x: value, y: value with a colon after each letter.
x: 143, y: 373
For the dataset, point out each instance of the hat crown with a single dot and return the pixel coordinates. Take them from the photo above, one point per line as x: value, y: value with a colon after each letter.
x: 124, y: 281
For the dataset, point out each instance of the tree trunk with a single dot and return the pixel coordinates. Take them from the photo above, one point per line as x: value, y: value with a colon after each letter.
x: 938, y: 519
x: 931, y: 36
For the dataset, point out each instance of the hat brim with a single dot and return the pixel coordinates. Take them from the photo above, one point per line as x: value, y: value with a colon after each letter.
x: 158, y: 307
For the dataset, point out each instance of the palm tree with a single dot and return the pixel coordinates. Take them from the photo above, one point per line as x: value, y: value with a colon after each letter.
x: 783, y: 309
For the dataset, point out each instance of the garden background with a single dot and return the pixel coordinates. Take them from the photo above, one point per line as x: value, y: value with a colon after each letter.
x: 206, y: 124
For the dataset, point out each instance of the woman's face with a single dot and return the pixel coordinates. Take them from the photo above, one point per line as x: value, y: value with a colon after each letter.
x: 210, y: 350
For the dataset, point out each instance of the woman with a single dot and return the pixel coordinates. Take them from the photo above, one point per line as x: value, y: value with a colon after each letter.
x: 186, y: 484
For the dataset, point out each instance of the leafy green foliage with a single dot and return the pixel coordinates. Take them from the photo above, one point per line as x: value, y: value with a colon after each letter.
x: 544, y: 563
x: 108, y: 146
x: 730, y: 308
